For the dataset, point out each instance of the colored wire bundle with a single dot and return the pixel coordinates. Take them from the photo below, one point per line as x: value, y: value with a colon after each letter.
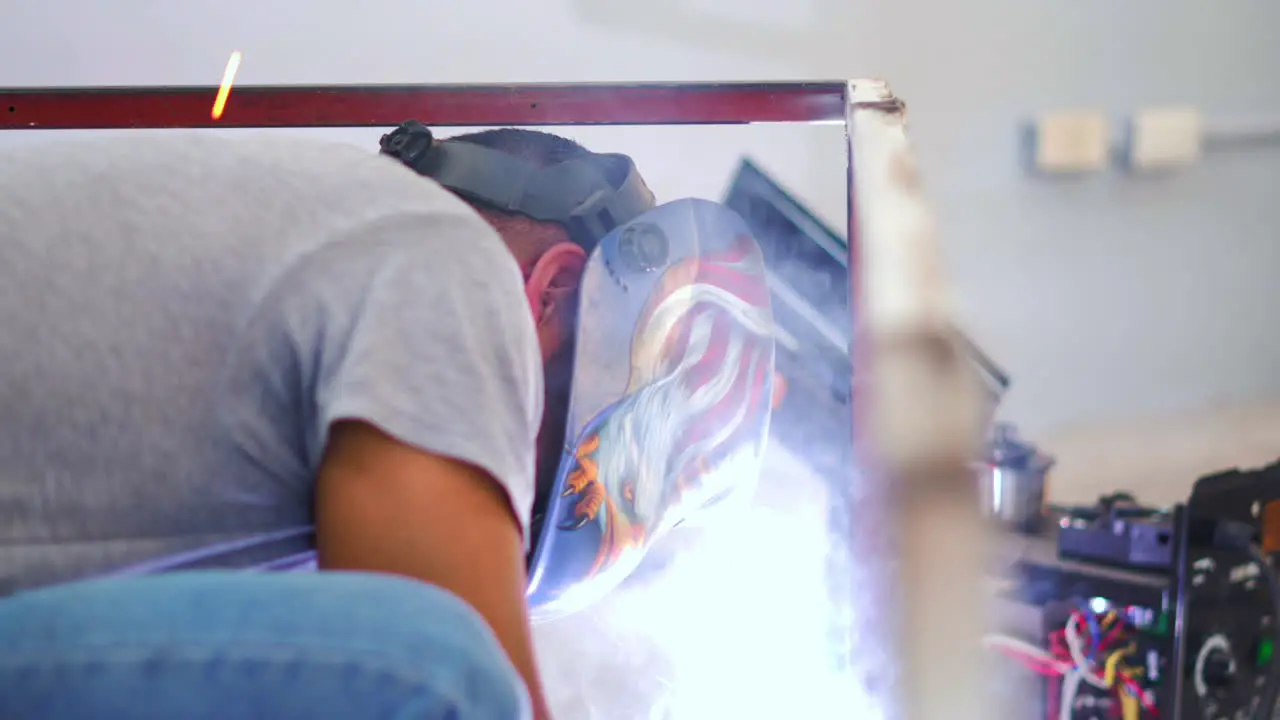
x: 1092, y: 649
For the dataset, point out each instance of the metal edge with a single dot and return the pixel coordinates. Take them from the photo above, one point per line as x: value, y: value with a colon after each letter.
x: 444, y: 105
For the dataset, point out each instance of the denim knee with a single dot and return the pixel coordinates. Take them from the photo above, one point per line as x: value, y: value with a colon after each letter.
x: 319, y: 644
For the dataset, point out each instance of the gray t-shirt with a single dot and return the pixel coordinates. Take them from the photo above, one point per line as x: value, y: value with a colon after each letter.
x: 183, y: 316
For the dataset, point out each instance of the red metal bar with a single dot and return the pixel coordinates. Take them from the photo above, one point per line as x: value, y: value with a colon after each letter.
x: 437, y: 105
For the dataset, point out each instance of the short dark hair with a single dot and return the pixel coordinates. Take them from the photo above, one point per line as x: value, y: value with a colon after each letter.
x: 538, y: 147
x: 542, y: 149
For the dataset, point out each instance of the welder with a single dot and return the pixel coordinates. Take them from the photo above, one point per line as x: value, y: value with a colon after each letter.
x: 218, y: 343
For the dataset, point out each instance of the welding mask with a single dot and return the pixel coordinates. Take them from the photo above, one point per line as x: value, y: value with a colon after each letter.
x: 674, y: 358
x: 588, y: 195
x: 670, y: 400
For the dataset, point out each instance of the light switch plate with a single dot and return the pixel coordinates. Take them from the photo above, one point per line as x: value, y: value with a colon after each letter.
x: 1072, y: 142
x: 1165, y: 138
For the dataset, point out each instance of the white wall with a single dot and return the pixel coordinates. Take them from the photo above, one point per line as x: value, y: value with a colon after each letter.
x: 1108, y: 297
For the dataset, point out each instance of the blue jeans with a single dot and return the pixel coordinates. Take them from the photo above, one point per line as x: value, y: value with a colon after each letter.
x: 235, y: 645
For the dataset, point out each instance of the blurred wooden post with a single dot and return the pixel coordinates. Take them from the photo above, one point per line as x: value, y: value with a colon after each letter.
x: 918, y: 424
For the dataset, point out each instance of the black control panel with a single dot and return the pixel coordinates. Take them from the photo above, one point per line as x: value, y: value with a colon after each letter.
x: 1228, y: 636
x: 1229, y: 622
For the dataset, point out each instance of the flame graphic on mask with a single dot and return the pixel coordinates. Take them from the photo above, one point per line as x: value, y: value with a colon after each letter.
x: 698, y: 394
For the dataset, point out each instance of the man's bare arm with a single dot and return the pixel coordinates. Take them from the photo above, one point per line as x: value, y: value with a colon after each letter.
x: 384, y: 506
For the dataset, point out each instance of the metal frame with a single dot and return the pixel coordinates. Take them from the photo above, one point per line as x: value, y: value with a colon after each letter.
x: 434, y: 105
x: 918, y: 409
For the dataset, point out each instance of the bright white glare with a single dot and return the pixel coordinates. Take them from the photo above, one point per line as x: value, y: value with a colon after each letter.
x: 742, y: 614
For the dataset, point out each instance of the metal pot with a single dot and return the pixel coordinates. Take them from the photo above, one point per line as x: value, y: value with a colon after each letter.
x: 1012, y: 477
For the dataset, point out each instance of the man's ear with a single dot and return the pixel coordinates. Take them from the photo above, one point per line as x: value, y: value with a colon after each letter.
x: 779, y: 390
x: 552, y: 283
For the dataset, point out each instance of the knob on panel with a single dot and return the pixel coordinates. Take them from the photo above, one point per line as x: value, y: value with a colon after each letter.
x: 1215, y: 665
x: 1219, y: 669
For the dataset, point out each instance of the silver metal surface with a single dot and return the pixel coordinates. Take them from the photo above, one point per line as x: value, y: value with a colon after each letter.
x: 1012, y: 480
x: 1013, y: 497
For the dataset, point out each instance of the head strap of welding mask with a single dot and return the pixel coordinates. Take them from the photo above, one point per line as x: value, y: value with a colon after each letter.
x: 589, y: 196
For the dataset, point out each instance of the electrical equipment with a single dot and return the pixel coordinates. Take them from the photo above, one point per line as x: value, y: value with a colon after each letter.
x: 1119, y: 532
x: 1104, y: 632
x: 1229, y: 614
x: 1125, y: 646
x: 1185, y: 595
